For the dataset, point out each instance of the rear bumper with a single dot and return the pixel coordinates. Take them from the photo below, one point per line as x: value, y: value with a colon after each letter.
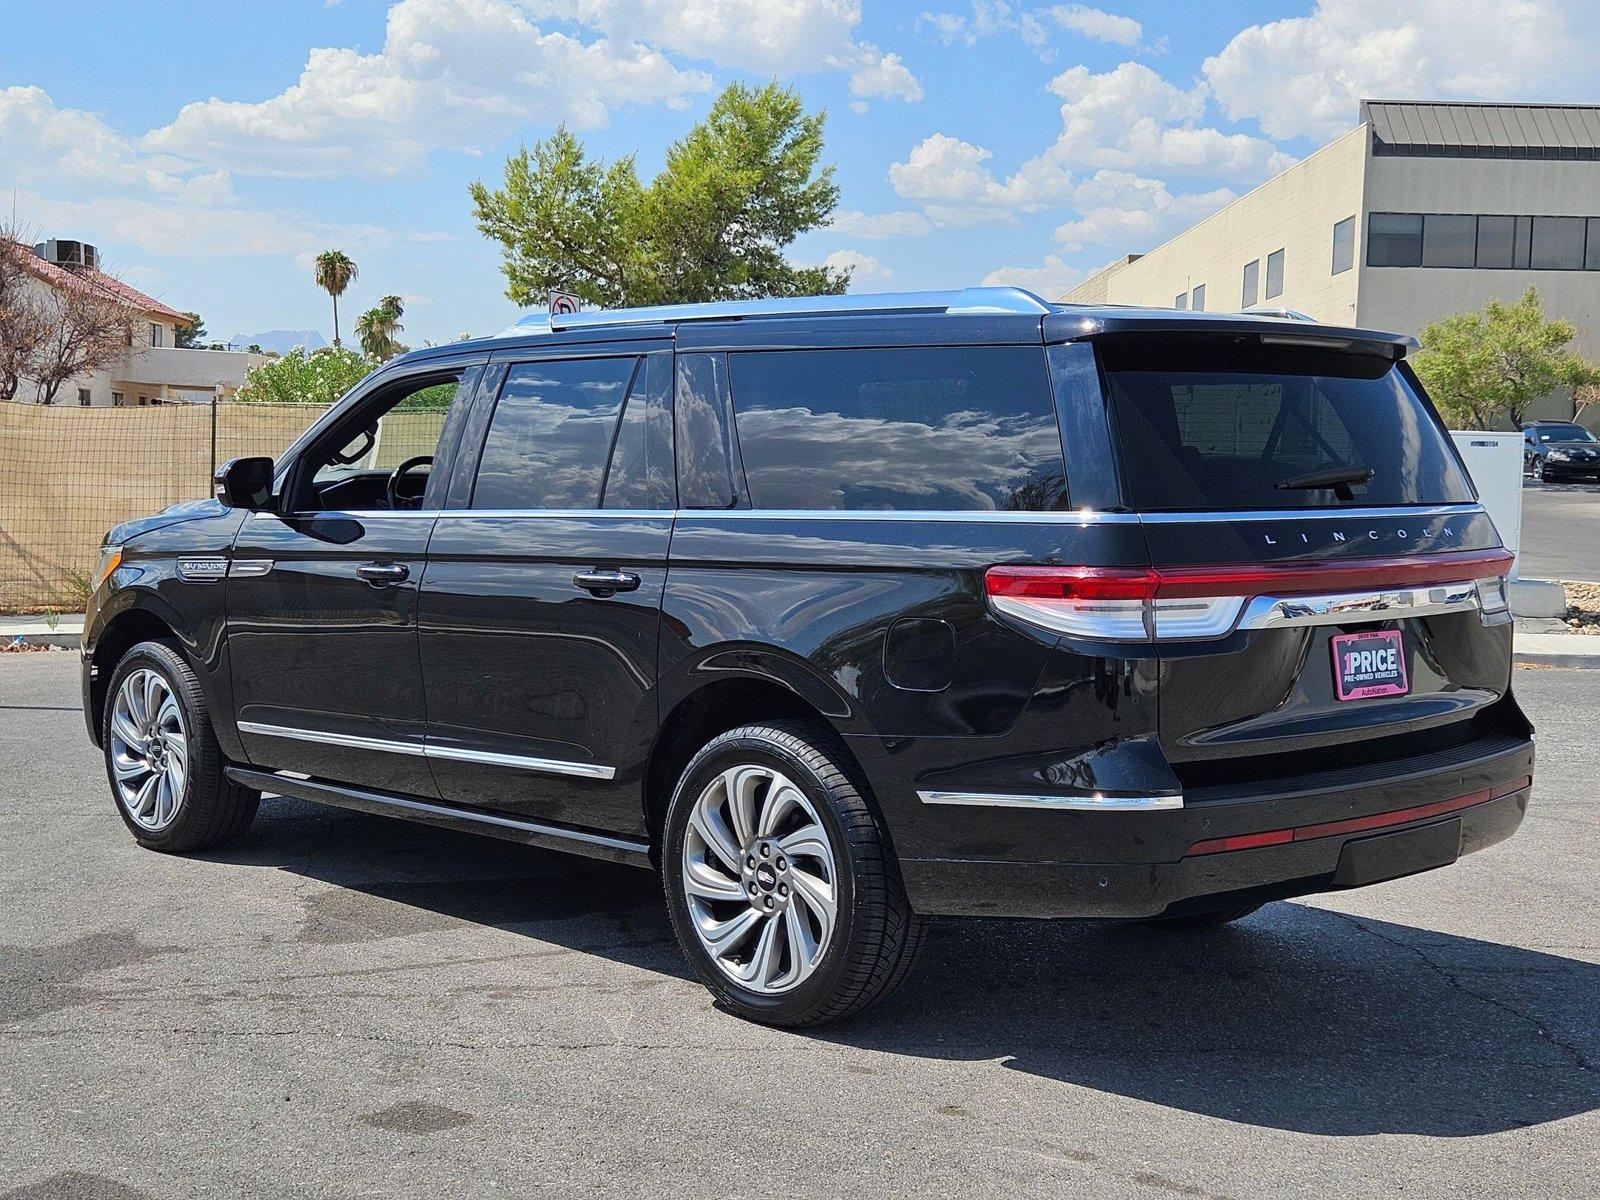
x: 1316, y: 840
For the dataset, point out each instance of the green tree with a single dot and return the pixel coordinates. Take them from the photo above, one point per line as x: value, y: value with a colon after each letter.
x: 378, y: 326
x: 1478, y: 366
x: 335, y: 271
x: 191, y: 334
x: 713, y: 225
x: 300, y: 378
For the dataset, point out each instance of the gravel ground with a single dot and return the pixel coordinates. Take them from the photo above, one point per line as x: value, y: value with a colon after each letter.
x: 345, y: 1006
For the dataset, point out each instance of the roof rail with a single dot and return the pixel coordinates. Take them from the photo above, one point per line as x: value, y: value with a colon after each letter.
x: 968, y: 300
x: 1283, y: 314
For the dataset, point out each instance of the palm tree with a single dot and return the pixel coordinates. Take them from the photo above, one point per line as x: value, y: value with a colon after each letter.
x: 378, y: 326
x: 336, y: 271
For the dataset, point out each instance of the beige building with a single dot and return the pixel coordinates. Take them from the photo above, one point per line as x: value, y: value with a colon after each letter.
x: 155, y: 370
x: 1422, y: 211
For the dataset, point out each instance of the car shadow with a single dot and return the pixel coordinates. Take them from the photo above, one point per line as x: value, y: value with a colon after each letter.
x: 1298, y: 1018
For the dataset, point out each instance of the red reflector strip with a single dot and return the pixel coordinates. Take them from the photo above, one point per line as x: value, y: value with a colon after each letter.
x: 1402, y: 816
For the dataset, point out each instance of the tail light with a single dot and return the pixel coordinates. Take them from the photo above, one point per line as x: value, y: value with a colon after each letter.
x: 1143, y: 603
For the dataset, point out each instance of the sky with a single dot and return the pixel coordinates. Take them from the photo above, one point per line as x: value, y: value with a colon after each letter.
x: 211, y: 150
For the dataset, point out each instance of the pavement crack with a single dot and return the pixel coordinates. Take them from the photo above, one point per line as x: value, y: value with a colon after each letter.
x: 1579, y: 1059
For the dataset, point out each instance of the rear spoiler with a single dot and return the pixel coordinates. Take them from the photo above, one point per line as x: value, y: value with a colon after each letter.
x: 1070, y: 323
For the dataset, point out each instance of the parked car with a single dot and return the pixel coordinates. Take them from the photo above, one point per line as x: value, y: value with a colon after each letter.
x: 1553, y: 450
x: 843, y: 614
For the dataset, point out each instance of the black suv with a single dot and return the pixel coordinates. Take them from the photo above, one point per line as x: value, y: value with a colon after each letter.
x: 845, y: 613
x: 1559, y: 450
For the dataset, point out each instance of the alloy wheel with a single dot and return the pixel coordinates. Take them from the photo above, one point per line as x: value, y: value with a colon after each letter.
x: 149, y: 749
x: 759, y: 878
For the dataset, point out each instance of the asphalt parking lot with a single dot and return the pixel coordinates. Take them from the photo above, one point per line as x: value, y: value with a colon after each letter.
x: 345, y: 1006
x: 1561, y: 531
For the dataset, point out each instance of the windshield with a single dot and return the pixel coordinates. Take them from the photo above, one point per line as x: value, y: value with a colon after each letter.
x: 1217, y: 424
x: 1564, y: 433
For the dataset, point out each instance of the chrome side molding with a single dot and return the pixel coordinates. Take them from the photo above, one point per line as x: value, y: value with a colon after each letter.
x: 1094, y: 802
x: 424, y: 749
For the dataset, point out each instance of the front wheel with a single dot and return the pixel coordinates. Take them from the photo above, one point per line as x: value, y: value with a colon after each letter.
x: 782, y: 887
x: 162, y: 757
x: 1539, y: 470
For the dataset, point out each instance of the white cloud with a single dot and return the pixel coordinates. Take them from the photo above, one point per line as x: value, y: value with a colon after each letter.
x: 1098, y: 25
x: 776, y: 37
x: 877, y: 225
x: 863, y: 268
x: 952, y: 182
x: 986, y: 18
x: 41, y: 144
x: 1305, y: 76
x: 1051, y: 279
x: 1119, y: 208
x: 463, y: 74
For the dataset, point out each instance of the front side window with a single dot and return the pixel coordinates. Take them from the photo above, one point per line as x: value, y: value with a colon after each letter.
x: 1214, y: 425
x: 1274, y: 274
x: 1344, y: 245
x: 955, y: 428
x: 551, y: 432
x: 1251, y: 291
x: 351, y: 470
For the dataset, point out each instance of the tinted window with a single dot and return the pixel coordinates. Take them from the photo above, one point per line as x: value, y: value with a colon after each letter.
x: 550, y: 434
x: 1591, y: 256
x: 1199, y: 304
x: 707, y: 458
x: 1274, y: 274
x: 1394, y: 240
x: 959, y: 428
x: 1252, y: 284
x: 1344, y: 245
x: 1558, y: 243
x: 1496, y: 238
x: 640, y: 473
x: 1449, y: 240
x: 1562, y: 433
x: 1214, y: 425
x: 1181, y: 300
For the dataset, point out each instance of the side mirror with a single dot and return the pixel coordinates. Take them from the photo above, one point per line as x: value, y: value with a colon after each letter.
x: 244, y: 483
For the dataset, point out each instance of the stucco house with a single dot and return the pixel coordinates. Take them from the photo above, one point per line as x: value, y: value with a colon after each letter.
x: 154, y: 370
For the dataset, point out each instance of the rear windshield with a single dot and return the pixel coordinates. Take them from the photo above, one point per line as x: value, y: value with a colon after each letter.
x: 1222, y: 424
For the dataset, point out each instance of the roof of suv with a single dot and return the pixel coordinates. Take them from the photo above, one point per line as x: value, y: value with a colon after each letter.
x: 1058, y: 322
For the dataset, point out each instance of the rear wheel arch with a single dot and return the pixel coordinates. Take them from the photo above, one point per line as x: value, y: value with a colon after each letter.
x: 712, y: 710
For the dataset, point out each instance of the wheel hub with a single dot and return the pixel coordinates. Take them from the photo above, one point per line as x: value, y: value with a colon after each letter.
x: 765, y: 877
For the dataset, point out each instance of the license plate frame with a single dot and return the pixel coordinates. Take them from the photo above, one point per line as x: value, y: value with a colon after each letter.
x: 1369, y: 664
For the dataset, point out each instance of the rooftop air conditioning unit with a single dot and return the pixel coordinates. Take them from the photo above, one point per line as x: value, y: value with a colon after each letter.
x: 65, y: 253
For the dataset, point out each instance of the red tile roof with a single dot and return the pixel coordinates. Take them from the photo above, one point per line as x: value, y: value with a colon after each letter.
x: 58, y: 276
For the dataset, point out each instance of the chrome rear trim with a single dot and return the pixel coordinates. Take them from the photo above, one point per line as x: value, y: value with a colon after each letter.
x: 546, y: 766
x: 1092, y: 803
x: 1283, y: 612
x: 1309, y: 514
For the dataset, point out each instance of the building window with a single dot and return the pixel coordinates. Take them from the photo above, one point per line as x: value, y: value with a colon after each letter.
x: 1394, y: 240
x: 1591, y: 256
x: 1344, y: 245
x: 117, y: 399
x: 83, y: 397
x: 1251, y: 291
x: 1181, y: 300
x: 1449, y: 240
x: 1274, y: 274
x: 155, y: 334
x: 1558, y: 243
x: 1496, y: 241
x: 1199, y: 301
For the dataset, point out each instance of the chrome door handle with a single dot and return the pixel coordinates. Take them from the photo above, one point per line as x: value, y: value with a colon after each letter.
x: 384, y: 574
x: 606, y: 583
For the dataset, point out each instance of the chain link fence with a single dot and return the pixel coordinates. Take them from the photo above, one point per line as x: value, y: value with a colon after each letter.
x: 68, y: 474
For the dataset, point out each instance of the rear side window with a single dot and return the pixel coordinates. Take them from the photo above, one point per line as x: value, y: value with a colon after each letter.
x: 963, y: 428
x: 1224, y: 424
x: 551, y: 432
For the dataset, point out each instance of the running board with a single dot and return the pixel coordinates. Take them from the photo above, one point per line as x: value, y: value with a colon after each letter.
x: 612, y: 847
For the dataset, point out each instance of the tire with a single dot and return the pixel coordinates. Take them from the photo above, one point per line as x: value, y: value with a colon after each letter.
x: 1538, y: 470
x: 806, y: 822
x: 1190, y: 922
x: 194, y: 807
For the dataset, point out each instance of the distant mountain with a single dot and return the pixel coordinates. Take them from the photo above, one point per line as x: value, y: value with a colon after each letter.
x: 279, y: 341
